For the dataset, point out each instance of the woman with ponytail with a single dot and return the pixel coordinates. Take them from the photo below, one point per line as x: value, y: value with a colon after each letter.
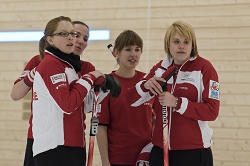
x: 21, y: 88
x: 58, y: 94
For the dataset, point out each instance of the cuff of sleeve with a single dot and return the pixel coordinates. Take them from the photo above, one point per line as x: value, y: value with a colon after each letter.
x: 90, y: 78
x: 27, y: 81
x: 142, y: 86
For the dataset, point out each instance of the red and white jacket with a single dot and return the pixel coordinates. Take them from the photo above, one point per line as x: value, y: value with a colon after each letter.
x: 34, y: 62
x: 58, y: 94
x: 197, y: 88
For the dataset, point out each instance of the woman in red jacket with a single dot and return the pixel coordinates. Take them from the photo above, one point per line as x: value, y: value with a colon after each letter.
x: 58, y: 94
x: 192, y: 99
x: 20, y: 89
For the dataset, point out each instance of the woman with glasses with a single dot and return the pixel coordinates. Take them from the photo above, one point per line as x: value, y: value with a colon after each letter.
x: 25, y: 82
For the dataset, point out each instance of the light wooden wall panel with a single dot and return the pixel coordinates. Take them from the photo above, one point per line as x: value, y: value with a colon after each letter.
x: 121, y: 13
x: 235, y: 111
x: 223, y: 35
x: 162, y: 23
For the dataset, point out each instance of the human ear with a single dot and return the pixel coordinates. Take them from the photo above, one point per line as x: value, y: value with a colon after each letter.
x: 115, y: 54
x: 49, y: 40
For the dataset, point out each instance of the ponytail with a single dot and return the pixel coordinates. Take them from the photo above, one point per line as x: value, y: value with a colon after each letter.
x: 42, y: 45
x: 48, y: 31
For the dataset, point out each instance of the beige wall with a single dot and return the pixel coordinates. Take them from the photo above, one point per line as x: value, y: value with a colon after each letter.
x: 223, y: 36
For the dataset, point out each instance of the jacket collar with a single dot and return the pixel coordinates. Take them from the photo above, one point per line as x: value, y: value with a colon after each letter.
x: 168, y: 61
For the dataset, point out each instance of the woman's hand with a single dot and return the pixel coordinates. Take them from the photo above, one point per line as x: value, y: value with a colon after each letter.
x: 167, y: 99
x: 153, y: 85
x: 97, y: 73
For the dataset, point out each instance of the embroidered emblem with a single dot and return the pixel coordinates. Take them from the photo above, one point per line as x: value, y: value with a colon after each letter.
x: 183, y: 88
x: 24, y: 73
x: 187, y: 77
x: 58, y: 78
x: 214, y: 90
x: 61, y: 85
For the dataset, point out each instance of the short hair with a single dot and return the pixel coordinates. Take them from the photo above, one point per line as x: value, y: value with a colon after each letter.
x: 184, y: 30
x: 128, y: 38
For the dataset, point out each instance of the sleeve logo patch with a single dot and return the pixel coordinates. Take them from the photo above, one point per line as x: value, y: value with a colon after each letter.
x: 58, y: 78
x: 24, y: 73
x: 214, y: 90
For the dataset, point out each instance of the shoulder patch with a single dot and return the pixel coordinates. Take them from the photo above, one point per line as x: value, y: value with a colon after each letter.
x: 24, y: 73
x: 214, y: 90
x: 58, y: 78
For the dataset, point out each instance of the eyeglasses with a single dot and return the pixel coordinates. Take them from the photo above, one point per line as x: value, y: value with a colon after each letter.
x: 65, y: 34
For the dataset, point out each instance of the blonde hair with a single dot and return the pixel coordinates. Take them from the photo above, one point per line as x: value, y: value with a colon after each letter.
x: 184, y: 30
